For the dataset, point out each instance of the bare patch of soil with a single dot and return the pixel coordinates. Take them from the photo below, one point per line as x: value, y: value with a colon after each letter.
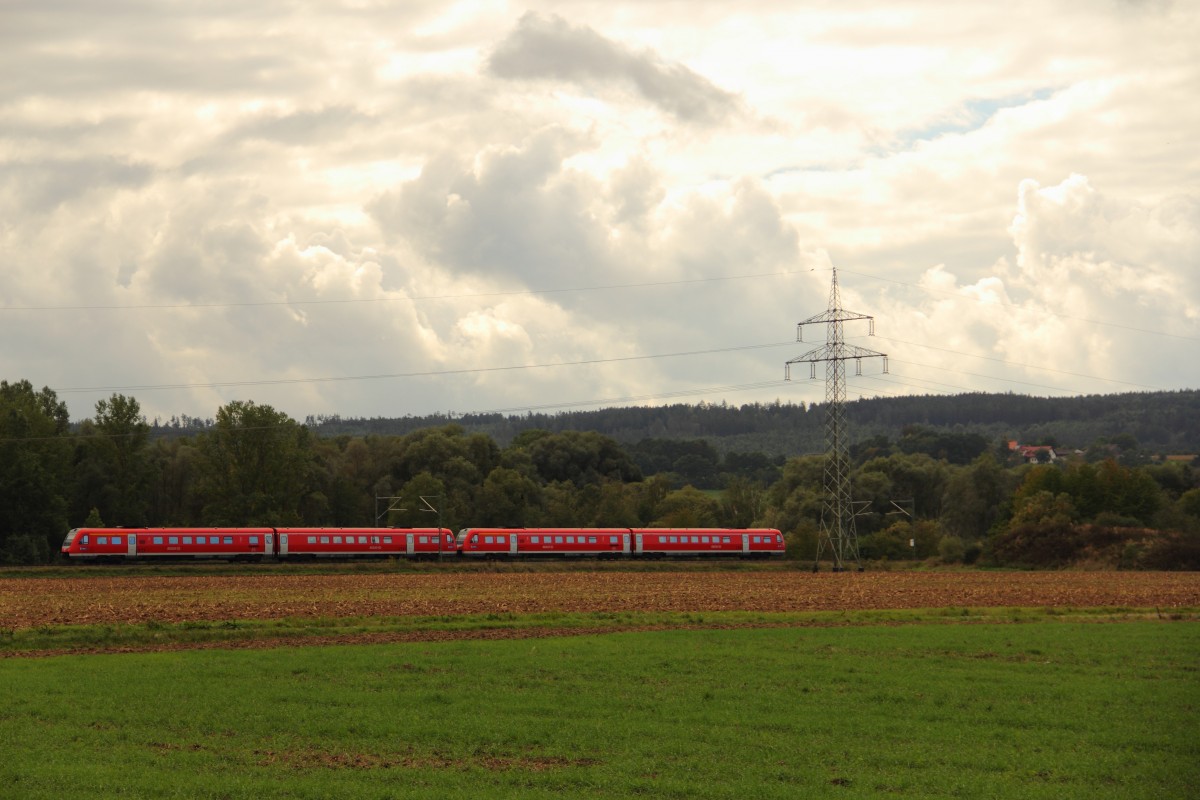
x: 103, y: 600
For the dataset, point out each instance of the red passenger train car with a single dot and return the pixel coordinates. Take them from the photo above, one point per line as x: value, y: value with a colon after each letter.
x: 362, y: 542
x: 556, y: 542
x: 126, y: 544
x: 613, y: 542
x: 252, y: 544
x: 743, y: 542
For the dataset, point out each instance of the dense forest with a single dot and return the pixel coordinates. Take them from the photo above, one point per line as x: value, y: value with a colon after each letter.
x: 1162, y: 422
x: 937, y: 482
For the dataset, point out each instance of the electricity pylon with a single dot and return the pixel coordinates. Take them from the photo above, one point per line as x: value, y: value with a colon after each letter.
x: 838, y: 533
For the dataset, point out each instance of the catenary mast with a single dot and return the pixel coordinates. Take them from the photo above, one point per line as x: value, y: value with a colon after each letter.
x: 837, y: 535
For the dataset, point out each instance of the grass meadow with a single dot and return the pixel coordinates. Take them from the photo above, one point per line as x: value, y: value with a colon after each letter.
x: 1038, y: 709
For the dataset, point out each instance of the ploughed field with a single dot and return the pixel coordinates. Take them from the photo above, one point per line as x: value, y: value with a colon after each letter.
x: 108, y: 600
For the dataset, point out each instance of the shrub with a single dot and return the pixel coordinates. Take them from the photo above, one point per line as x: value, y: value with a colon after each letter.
x: 951, y: 550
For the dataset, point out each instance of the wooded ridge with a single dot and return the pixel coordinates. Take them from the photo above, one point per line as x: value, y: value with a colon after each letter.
x: 1166, y: 422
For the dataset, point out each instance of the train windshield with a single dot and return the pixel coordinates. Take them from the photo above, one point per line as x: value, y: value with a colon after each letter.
x: 462, y: 536
x: 70, y: 537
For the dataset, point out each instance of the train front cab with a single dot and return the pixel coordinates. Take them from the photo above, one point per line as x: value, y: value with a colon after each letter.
x: 487, y: 542
x: 99, y: 544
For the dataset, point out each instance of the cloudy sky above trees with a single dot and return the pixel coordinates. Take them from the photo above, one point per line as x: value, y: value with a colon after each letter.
x: 388, y: 208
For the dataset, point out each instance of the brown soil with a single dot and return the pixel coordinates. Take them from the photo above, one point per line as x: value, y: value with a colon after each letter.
x: 27, y: 603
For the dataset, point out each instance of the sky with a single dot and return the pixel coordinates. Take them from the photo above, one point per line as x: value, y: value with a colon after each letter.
x: 377, y: 209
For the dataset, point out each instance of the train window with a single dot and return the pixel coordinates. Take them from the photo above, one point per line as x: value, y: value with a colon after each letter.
x: 374, y: 540
x: 200, y: 540
x: 756, y: 539
x: 725, y: 540
x: 187, y: 540
x: 116, y: 540
x: 670, y: 539
x: 227, y: 540
x: 487, y: 540
x: 337, y: 540
x: 387, y: 540
x: 558, y: 540
x: 362, y: 540
x: 612, y: 540
x: 85, y: 538
x: 423, y: 539
x: 101, y: 540
x: 312, y: 540
x: 591, y: 540
x: 703, y: 540
x: 254, y: 540
x: 158, y: 540
x: 534, y: 539
x: 172, y: 540
x: 324, y: 540
x: 570, y: 540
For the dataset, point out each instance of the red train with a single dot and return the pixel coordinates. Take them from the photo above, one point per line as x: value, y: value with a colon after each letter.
x: 255, y: 544
x: 617, y: 542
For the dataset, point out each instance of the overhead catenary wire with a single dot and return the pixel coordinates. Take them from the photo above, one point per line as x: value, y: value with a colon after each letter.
x: 595, y: 361
x: 420, y: 374
x: 401, y: 298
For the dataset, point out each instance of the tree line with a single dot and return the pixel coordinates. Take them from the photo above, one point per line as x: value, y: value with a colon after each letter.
x: 953, y: 496
x: 1159, y: 421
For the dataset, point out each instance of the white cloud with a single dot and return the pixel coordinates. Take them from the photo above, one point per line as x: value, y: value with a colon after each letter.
x: 1100, y: 287
x: 261, y: 189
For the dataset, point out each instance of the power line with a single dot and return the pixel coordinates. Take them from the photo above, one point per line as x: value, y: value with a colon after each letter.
x: 423, y: 374
x: 636, y: 398
x: 564, y: 290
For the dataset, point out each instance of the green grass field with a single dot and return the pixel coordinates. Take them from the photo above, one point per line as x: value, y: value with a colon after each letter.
x: 1053, y: 709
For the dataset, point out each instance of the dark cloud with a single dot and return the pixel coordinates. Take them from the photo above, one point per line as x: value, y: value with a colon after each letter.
x: 634, y: 191
x: 550, y: 48
x: 518, y: 214
x: 43, y: 186
x: 303, y: 127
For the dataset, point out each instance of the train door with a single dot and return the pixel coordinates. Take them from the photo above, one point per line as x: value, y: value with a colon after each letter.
x: 512, y: 544
x: 269, y: 544
x: 408, y: 543
x: 283, y: 544
x: 745, y: 543
x: 638, y: 544
x: 625, y: 543
x: 132, y: 551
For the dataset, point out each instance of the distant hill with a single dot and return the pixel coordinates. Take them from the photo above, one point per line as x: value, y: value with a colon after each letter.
x: 1159, y: 422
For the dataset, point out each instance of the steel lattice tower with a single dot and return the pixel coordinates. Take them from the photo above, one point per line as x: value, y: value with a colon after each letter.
x: 837, y: 511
